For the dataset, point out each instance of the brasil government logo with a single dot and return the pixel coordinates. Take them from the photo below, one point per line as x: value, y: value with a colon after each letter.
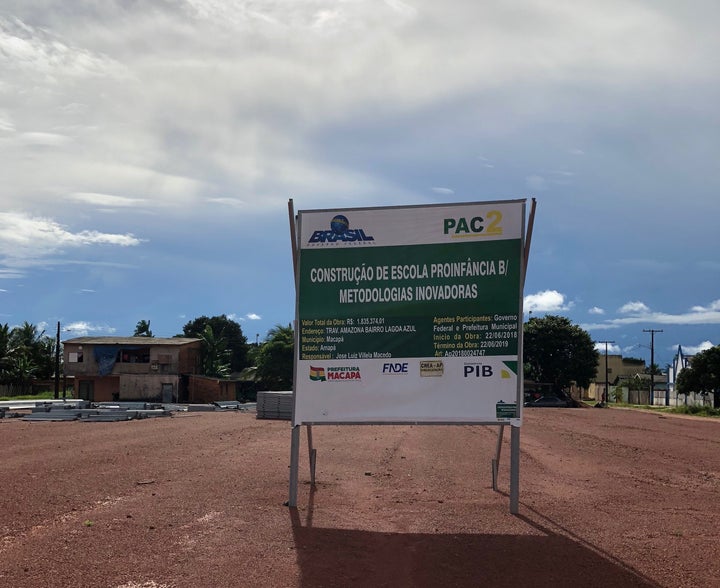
x: 339, y: 231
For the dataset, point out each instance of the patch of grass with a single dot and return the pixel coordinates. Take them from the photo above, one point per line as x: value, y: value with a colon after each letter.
x: 49, y: 395
x: 704, y: 411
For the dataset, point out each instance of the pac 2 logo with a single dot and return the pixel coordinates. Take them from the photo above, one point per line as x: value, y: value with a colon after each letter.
x: 477, y: 370
x: 477, y: 226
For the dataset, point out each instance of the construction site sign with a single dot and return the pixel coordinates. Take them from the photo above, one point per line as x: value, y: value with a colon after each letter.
x: 410, y: 314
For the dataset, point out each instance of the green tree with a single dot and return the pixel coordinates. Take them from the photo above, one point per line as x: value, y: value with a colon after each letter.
x: 20, y: 371
x: 558, y: 352
x: 142, y: 329
x: 702, y: 375
x: 275, y: 358
x: 29, y: 342
x: 215, y: 356
x: 4, y: 351
x: 228, y: 330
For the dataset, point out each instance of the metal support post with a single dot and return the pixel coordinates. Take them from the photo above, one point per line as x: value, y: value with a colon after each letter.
x: 294, y: 460
x: 312, y: 455
x: 496, y: 461
x: 514, y: 470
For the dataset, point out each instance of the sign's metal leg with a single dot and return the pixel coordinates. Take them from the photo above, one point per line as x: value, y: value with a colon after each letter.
x: 294, y: 460
x: 496, y: 461
x: 312, y: 455
x: 514, y: 470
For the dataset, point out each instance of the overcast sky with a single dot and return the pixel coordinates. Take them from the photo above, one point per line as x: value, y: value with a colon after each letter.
x: 149, y: 150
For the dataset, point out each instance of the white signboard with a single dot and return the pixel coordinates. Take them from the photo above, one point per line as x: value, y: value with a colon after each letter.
x: 410, y: 314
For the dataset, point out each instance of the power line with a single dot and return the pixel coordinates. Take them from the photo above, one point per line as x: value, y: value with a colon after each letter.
x: 652, y: 362
x: 606, y: 396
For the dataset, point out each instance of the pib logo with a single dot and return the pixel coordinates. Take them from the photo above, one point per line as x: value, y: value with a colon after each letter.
x: 477, y: 370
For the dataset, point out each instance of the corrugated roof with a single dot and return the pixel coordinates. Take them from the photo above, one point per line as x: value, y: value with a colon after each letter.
x: 130, y: 340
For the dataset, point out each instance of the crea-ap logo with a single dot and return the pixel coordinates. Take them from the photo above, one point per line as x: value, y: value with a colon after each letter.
x: 489, y: 225
x: 340, y: 231
x: 335, y: 374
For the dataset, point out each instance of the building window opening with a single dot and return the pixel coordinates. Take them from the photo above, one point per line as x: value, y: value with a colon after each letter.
x: 134, y: 356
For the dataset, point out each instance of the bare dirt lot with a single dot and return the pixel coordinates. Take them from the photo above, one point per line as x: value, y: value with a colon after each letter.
x: 607, y: 498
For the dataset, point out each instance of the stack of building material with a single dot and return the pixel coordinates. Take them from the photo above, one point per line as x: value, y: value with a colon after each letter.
x: 275, y: 405
x: 54, y: 412
x: 49, y: 414
x: 226, y: 405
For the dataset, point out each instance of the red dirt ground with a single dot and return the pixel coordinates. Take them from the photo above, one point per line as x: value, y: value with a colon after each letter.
x: 607, y: 498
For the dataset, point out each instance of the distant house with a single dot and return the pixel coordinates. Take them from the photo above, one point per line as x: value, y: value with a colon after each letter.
x: 151, y: 369
x: 680, y: 362
x: 618, y: 369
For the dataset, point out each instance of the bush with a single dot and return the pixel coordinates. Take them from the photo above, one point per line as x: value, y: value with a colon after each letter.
x: 697, y: 410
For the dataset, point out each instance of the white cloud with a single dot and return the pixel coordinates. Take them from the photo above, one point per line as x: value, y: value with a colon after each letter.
x: 712, y: 307
x: 641, y: 313
x: 106, y: 199
x: 485, y: 162
x: 235, y: 106
x: 84, y: 328
x: 249, y: 316
x: 634, y: 308
x: 231, y: 202
x: 41, y: 53
x: 443, y: 191
x: 596, y: 310
x: 10, y: 274
x: 42, y: 139
x: 612, y: 348
x: 546, y: 301
x: 693, y: 349
x: 26, y: 239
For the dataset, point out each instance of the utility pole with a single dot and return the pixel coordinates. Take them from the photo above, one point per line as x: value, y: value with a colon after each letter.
x: 607, y: 380
x: 652, y: 362
x: 57, y: 363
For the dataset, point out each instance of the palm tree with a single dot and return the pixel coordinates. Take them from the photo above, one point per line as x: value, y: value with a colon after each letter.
x: 20, y: 371
x: 4, y: 350
x: 26, y: 335
x: 30, y: 342
x: 142, y: 329
x: 215, y: 356
x: 275, y: 360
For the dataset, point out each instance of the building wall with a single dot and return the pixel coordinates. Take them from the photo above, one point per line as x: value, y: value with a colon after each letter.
x: 104, y: 389
x: 147, y: 387
x: 202, y: 389
x: 133, y: 381
x: 164, y: 359
x: 189, y: 359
